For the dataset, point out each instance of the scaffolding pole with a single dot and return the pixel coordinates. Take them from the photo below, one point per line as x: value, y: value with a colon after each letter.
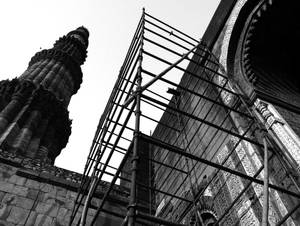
x: 135, y: 156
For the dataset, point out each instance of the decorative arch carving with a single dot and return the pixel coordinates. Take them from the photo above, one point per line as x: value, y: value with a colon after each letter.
x: 206, y: 214
x: 261, y: 59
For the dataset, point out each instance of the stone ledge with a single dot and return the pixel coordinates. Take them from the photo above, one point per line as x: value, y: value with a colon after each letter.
x: 121, y: 197
x: 42, y: 172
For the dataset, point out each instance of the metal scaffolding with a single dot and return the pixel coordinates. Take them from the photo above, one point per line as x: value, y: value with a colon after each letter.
x: 147, y: 89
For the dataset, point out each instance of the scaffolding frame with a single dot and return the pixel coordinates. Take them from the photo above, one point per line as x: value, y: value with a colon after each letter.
x: 119, y: 130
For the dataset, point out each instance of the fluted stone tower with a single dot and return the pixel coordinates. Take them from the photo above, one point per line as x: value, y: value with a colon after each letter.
x: 34, y: 120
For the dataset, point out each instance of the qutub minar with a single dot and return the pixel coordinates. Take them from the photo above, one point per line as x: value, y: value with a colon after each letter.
x: 226, y: 148
x: 34, y: 120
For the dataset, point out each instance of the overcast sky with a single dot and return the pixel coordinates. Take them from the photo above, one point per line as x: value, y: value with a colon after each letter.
x: 27, y: 26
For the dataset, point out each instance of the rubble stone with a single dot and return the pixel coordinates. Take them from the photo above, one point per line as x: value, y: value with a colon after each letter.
x: 20, y: 190
x: 18, y: 215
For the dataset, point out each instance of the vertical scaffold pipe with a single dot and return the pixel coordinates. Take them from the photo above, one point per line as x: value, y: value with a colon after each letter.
x: 135, y: 157
x: 87, y: 201
x: 266, y: 185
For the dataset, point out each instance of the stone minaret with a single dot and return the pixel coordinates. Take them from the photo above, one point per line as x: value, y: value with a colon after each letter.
x: 34, y: 120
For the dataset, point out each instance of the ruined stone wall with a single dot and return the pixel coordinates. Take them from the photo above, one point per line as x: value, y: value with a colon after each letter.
x: 25, y: 201
x: 32, y: 194
x: 28, y: 202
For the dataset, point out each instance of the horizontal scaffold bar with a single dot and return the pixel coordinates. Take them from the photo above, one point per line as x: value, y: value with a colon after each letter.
x: 213, y: 164
x: 180, y: 32
x: 198, y: 94
x: 203, y: 121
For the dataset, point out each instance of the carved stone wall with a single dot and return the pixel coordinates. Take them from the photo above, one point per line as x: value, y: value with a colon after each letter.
x: 246, y: 157
x: 280, y: 204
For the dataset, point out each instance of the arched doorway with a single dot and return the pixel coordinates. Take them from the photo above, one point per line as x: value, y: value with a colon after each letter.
x: 263, y: 56
x: 264, y: 51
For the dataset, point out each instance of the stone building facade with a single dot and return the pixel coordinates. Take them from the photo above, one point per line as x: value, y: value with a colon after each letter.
x: 250, y: 39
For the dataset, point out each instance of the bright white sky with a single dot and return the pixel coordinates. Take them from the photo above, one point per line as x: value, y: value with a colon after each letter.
x: 27, y: 26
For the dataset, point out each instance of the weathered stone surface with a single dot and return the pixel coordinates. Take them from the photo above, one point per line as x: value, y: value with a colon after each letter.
x: 18, y: 215
x: 6, y: 187
x: 48, y: 204
x: 9, y: 199
x: 2, y: 195
x: 19, y: 190
x: 4, y: 210
x: 91, y: 212
x: 62, y: 217
x: 62, y: 192
x: 61, y: 200
x: 32, y: 184
x: 43, y: 220
x: 39, y: 202
x: 6, y: 171
x: 41, y: 196
x: 25, y: 202
x: 50, y: 200
x: 50, y: 209
x: 46, y: 187
x: 5, y: 223
x: 71, y: 195
x: 31, y: 218
x: 69, y: 204
x: 15, y: 179
x: 32, y: 193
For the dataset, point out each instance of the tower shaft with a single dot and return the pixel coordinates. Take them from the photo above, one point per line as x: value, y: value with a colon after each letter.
x: 34, y: 120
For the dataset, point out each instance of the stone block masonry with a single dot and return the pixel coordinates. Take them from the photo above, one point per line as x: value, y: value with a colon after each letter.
x: 29, y: 202
x: 34, y: 197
